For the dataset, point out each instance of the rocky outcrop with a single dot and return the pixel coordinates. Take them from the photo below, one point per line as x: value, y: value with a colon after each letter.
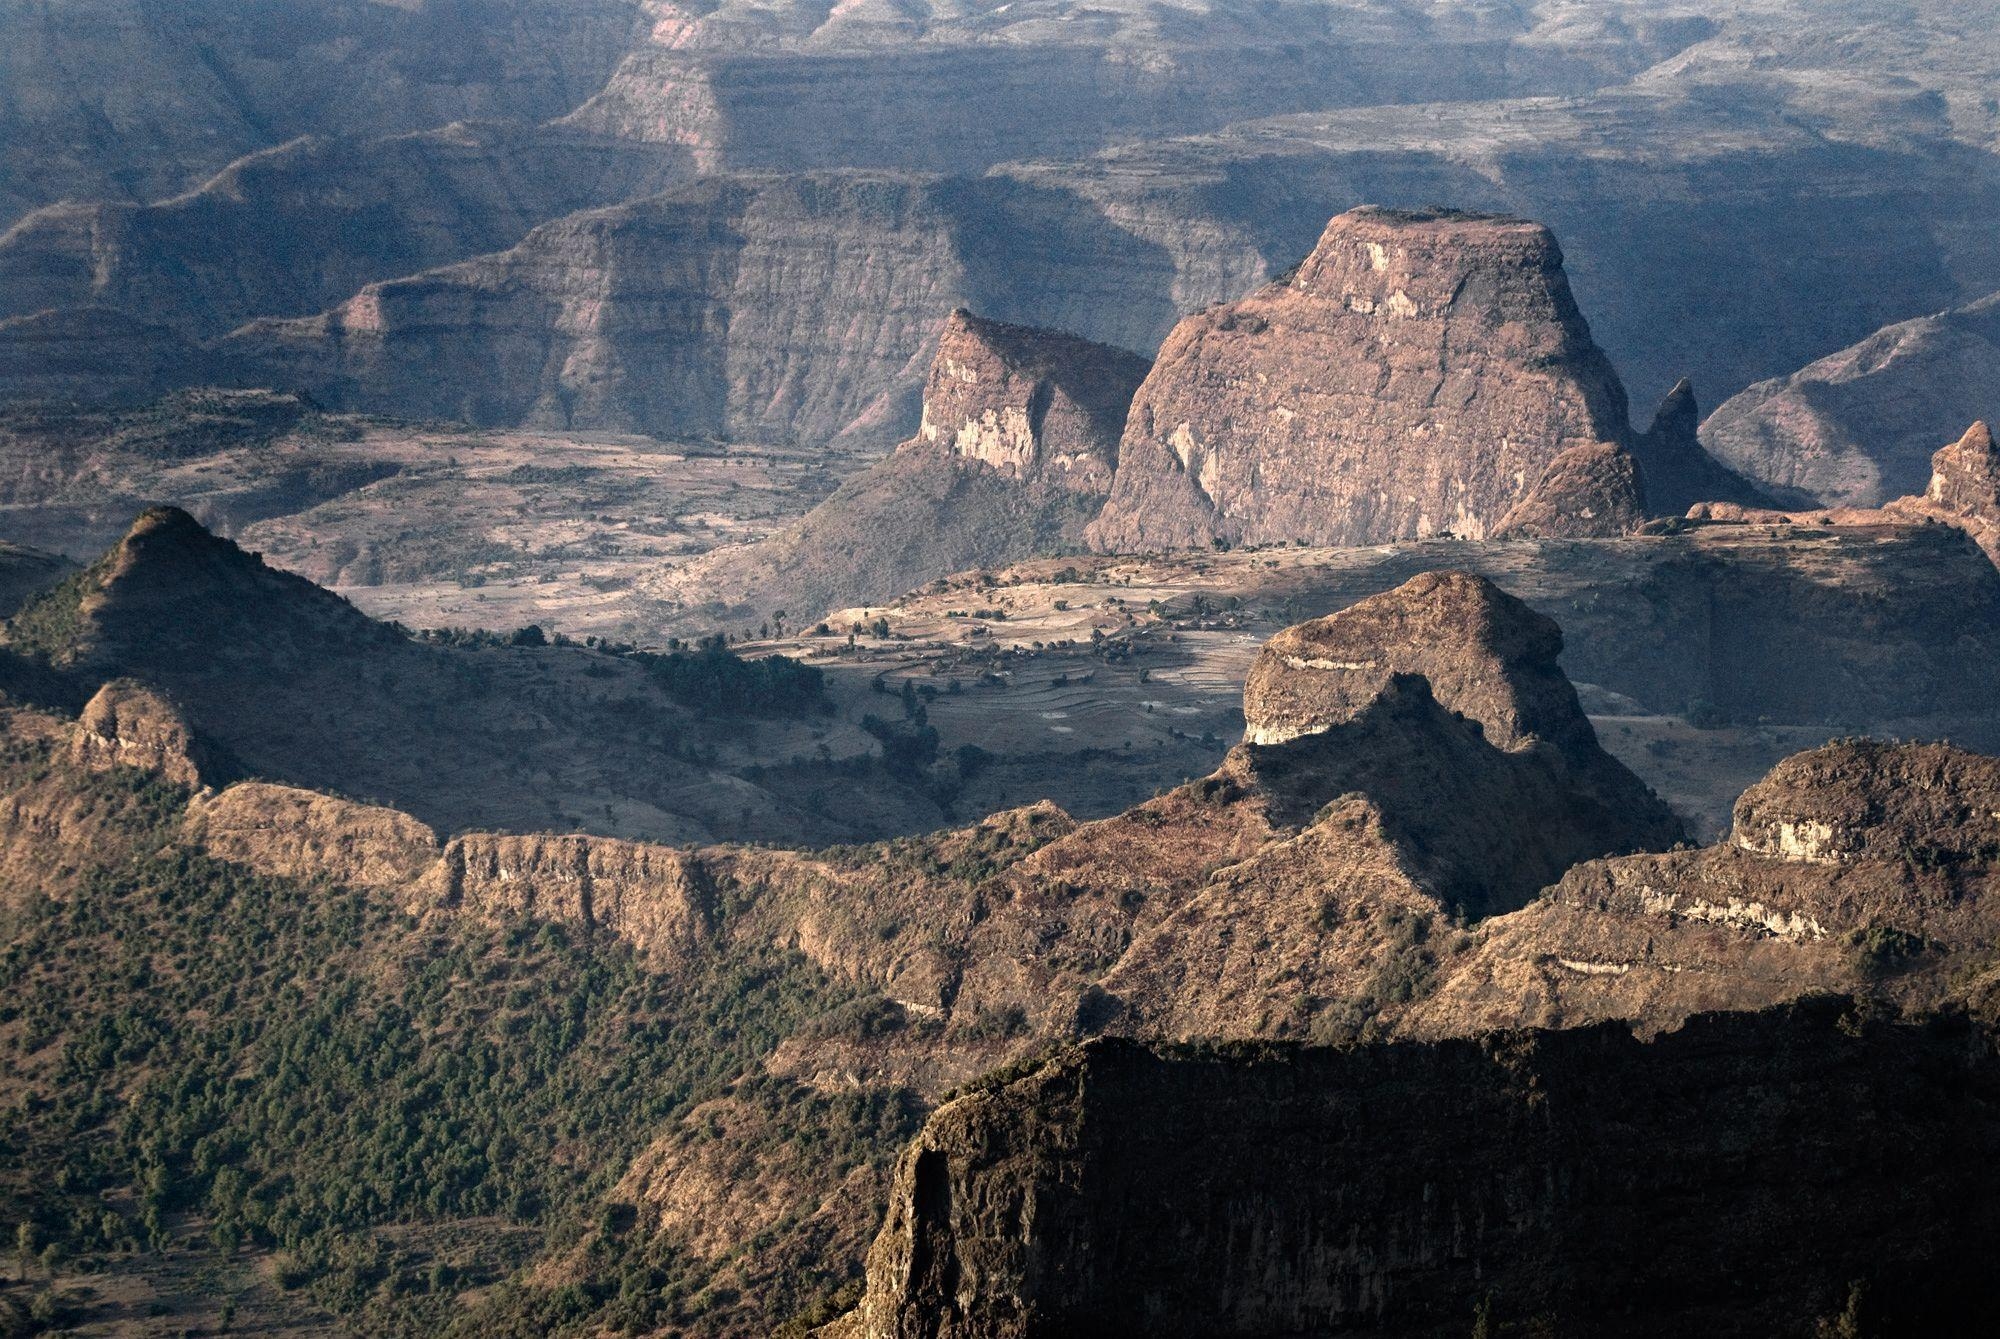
x: 1027, y: 403
x: 127, y: 724
x: 1587, y: 492
x: 1965, y: 476
x: 1929, y: 804
x: 1964, y: 492
x: 1486, y: 656
x: 1014, y: 453
x: 1579, y: 1181
x: 1416, y: 758
x: 1416, y: 376
x: 658, y: 898
x: 1858, y: 427
x: 1860, y: 866
x: 292, y: 833
x: 1679, y: 471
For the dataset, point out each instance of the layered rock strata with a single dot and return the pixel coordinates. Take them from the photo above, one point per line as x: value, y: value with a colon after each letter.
x: 1859, y: 866
x: 1014, y: 453
x: 1418, y: 375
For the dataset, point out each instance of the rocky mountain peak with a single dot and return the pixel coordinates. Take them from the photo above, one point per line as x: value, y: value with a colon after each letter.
x: 1679, y: 470
x: 1028, y: 401
x: 1440, y: 706
x: 1679, y: 414
x: 1965, y: 476
x: 1863, y: 799
x: 169, y: 591
x: 1486, y: 655
x: 1013, y: 457
x: 1587, y: 492
x: 1415, y: 377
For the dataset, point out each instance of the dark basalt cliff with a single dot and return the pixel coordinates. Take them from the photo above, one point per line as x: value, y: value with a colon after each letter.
x: 1749, y: 1175
x: 1418, y: 375
x: 1014, y: 455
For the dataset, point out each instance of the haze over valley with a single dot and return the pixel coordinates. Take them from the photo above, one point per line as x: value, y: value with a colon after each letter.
x: 999, y: 670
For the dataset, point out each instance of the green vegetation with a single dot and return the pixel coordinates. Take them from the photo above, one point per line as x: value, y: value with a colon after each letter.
x: 201, y: 1059
x: 48, y: 626
x: 716, y: 679
x: 1882, y: 949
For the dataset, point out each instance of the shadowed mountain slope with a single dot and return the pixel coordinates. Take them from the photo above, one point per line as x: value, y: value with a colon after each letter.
x: 1013, y: 456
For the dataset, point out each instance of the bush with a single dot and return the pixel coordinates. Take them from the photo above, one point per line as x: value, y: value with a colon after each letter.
x: 716, y: 679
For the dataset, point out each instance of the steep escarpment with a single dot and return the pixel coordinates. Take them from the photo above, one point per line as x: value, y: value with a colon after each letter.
x: 1579, y: 1180
x: 1857, y: 427
x: 293, y: 230
x: 1014, y: 454
x: 203, y: 85
x: 98, y: 356
x: 789, y: 86
x: 1418, y: 375
x: 658, y: 899
x: 648, y: 316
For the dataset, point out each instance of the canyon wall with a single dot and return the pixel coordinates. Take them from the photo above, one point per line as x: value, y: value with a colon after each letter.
x: 292, y: 230
x: 1459, y: 1187
x: 123, y: 100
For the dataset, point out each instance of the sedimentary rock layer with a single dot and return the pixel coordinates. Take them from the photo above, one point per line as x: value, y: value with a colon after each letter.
x: 1012, y: 457
x: 1416, y: 376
